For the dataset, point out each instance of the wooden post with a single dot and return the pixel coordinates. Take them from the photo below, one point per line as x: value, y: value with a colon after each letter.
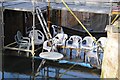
x: 49, y: 21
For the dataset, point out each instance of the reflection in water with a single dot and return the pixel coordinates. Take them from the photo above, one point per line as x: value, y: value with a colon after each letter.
x: 23, y: 67
x: 33, y: 71
x: 0, y: 75
x: 15, y: 75
x: 51, y: 74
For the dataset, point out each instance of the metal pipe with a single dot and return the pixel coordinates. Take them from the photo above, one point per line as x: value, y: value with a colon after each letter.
x: 2, y: 31
x: 10, y: 44
x: 2, y: 38
x: 33, y: 70
x: 33, y: 2
x: 110, y: 14
x: 13, y: 48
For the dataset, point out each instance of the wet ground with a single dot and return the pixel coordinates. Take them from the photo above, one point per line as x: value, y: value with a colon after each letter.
x: 20, y: 67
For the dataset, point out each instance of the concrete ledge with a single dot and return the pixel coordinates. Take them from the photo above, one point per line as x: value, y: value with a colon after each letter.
x: 111, y: 28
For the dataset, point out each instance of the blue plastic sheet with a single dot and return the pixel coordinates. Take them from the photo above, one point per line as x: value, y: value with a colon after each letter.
x: 77, y: 63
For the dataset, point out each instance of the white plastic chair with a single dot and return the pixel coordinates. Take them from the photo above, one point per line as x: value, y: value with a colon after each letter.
x: 89, y: 47
x: 77, y: 40
x: 88, y: 43
x: 49, y: 46
x: 55, y: 30
x: 93, y: 54
x: 74, y: 41
x: 23, y: 42
x: 60, y: 39
x: 102, y: 41
x: 38, y: 36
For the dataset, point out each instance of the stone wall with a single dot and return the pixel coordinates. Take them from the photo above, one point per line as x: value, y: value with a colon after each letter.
x: 111, y: 59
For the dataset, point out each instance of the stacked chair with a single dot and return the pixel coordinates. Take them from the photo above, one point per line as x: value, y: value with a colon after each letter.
x: 86, y: 45
x: 22, y: 42
x: 49, y: 46
x: 58, y: 40
x: 38, y: 36
x: 96, y: 50
x: 102, y: 43
x: 56, y: 29
x: 74, y: 42
x: 25, y: 42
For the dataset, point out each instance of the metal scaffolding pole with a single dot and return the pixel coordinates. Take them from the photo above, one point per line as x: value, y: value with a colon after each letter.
x: 110, y: 14
x: 33, y: 52
x: 2, y: 38
x: 2, y: 23
x: 33, y: 27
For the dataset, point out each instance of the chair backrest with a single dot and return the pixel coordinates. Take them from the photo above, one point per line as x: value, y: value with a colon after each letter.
x: 22, y: 41
x: 88, y: 41
x: 48, y: 46
x: 19, y: 35
x: 38, y: 36
x: 56, y: 28
x: 17, y: 40
x: 61, y: 36
x: 76, y: 40
x: 102, y: 41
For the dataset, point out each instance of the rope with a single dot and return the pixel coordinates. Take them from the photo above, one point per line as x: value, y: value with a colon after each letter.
x: 83, y: 28
x: 80, y: 23
x: 115, y: 19
x: 78, y: 20
x: 67, y: 70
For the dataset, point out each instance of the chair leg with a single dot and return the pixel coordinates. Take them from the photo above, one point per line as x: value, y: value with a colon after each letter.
x: 28, y: 53
x: 78, y: 53
x: 19, y: 50
x: 65, y: 51
x: 85, y: 59
x: 42, y: 50
x: 88, y: 59
x: 98, y: 61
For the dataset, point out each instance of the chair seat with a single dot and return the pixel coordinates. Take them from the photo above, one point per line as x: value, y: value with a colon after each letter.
x: 60, y: 39
x: 87, y: 47
x: 91, y: 54
x: 23, y: 42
